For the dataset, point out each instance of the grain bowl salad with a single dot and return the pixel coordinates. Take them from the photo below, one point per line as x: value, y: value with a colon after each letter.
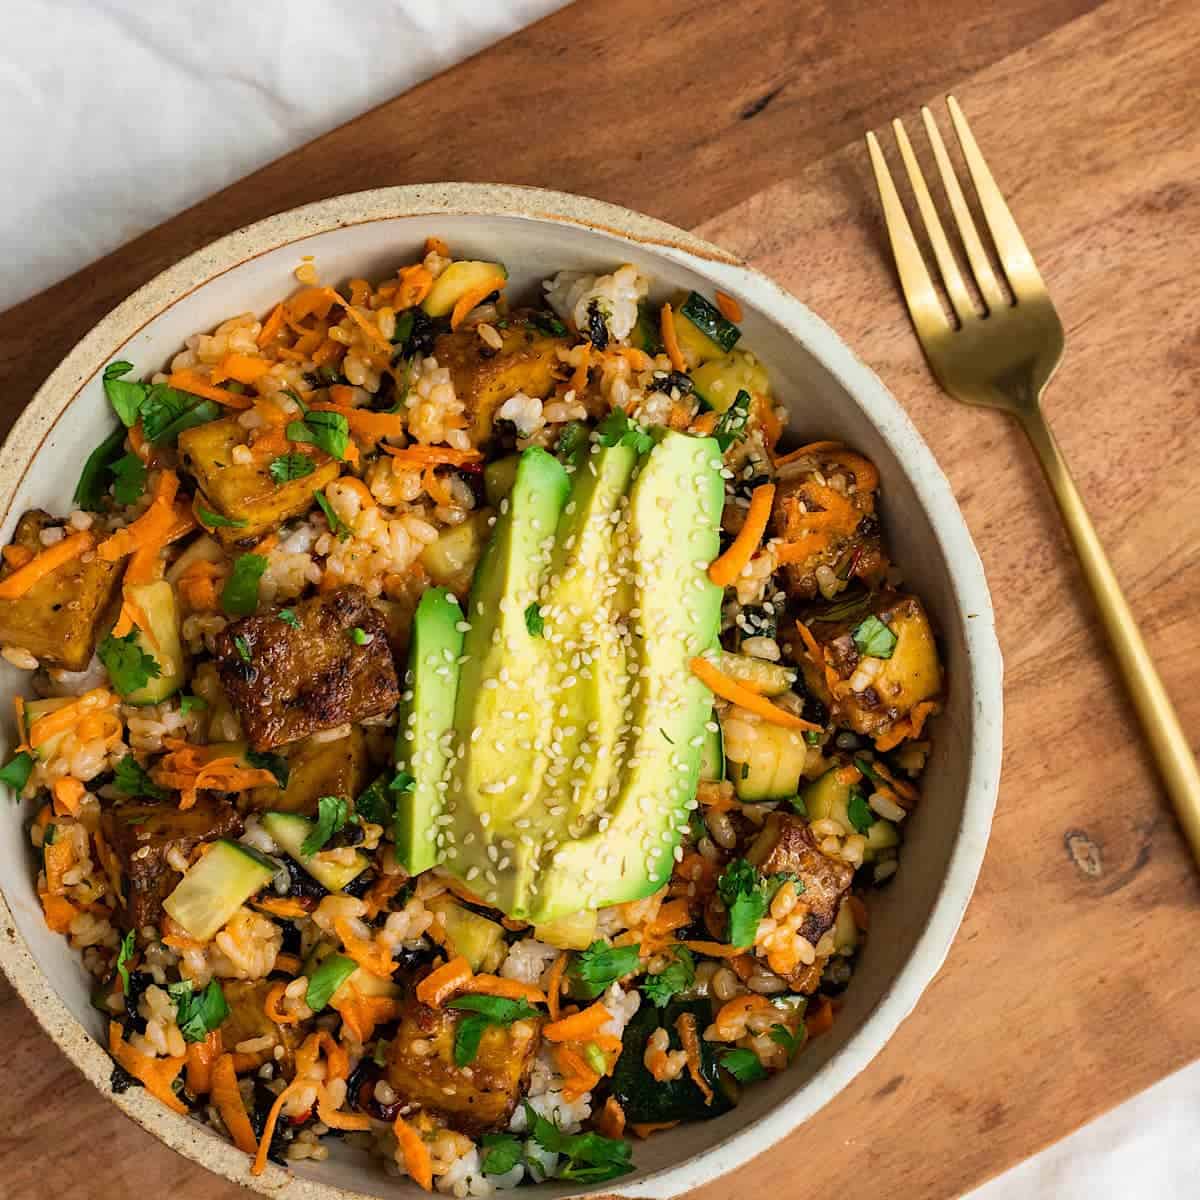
x: 456, y: 726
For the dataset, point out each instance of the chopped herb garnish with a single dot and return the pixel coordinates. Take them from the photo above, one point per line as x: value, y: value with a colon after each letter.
x: 326, y: 979
x: 404, y: 327
x: 131, y: 779
x: 670, y: 740
x: 874, y: 639
x: 129, y: 479
x: 534, y: 621
x: 590, y: 1158
x: 797, y: 802
x: 239, y: 596
x: 743, y: 1065
x: 93, y: 480
x: 676, y: 978
x: 242, y: 647
x: 287, y: 467
x: 859, y: 812
x: 601, y: 964
x: 573, y: 436
x: 124, y: 954
x: 167, y: 412
x: 360, y: 637
x: 618, y: 430
x: 332, y: 813
x: 337, y: 526
x: 501, y: 1152
x: 265, y: 761
x: 547, y: 323
x: 189, y: 704
x: 330, y: 431
x: 375, y: 804
x: 17, y: 770
x: 781, y: 1035
x: 732, y: 425
x: 403, y: 782
x: 215, y: 520
x: 746, y: 895
x: 288, y: 617
x: 129, y: 666
x: 868, y: 770
x: 484, y: 1011
x: 198, y: 1014
x: 125, y: 395
x: 813, y: 737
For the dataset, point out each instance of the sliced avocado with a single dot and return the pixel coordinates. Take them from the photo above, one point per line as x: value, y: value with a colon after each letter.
x: 426, y: 719
x: 712, y: 753
x: 670, y: 533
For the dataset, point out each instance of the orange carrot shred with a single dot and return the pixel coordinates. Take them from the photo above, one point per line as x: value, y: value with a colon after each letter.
x: 509, y: 989
x: 729, y: 689
x: 645, y: 1128
x: 335, y: 1118
x: 271, y: 327
x: 68, y: 795
x: 245, y: 368
x: 669, y: 340
x: 578, y: 1027
x: 228, y: 1101
x: 474, y: 296
x: 685, y: 1026
x: 264, y: 1143
x: 417, y: 1159
x: 414, y: 285
x: 187, y: 380
x: 200, y: 1059
x: 271, y: 1007
x: 726, y: 569
x: 17, y: 556
x: 419, y: 456
x: 155, y: 1074
x: 731, y: 310
x: 49, y: 560
x: 611, y: 1121
x: 554, y: 984
x: 439, y: 985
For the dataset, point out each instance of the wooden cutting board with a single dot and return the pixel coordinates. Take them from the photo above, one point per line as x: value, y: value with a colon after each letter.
x: 1069, y: 986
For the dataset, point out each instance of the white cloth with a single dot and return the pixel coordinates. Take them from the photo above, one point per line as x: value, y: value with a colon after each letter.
x: 116, y: 114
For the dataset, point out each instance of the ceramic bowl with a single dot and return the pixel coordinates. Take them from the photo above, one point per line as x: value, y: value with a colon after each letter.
x: 829, y: 393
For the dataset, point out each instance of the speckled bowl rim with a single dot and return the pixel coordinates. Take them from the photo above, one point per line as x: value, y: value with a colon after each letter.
x: 933, y: 491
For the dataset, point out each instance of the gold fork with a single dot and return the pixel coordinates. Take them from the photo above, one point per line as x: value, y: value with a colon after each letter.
x: 1004, y: 360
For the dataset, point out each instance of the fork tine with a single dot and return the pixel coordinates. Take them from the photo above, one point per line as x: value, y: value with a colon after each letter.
x: 923, y: 303
x: 1018, y: 263
x: 985, y: 277
x: 964, y: 306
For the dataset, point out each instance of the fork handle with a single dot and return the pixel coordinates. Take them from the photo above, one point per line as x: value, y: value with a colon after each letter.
x: 1168, y: 743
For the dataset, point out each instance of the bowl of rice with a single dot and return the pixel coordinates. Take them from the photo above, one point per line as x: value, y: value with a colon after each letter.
x: 511, y: 703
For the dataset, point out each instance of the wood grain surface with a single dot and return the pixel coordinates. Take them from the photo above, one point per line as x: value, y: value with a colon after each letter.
x: 1068, y: 988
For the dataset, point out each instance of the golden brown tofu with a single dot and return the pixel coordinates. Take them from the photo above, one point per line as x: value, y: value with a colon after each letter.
x: 142, y: 834
x: 474, y: 1098
x: 787, y: 845
x: 287, y: 682
x: 875, y: 696
x: 316, y: 769
x: 245, y: 492
x: 823, y: 525
x: 59, y: 619
x: 484, y: 377
x: 247, y: 1017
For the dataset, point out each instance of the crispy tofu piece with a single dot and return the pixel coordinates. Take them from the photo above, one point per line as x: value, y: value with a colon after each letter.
x: 484, y: 378
x: 787, y: 844
x: 300, y: 680
x: 828, y: 527
x: 247, y: 1016
x: 472, y: 1099
x: 911, y: 676
x: 245, y: 491
x: 316, y: 769
x: 59, y: 619
x: 142, y: 834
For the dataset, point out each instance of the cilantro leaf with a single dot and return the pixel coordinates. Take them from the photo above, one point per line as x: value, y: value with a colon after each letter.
x: 198, y: 1014
x: 601, y: 964
x: 239, y: 596
x: 123, y: 956
x: 131, y: 779
x: 288, y: 617
x: 467, y: 1037
x: 868, y: 770
x: 732, y: 425
x: 166, y: 412
x: 287, y: 467
x: 746, y: 895
x: 573, y: 436
x: 326, y: 979
x: 360, y: 637
x: 677, y: 977
x: 330, y: 431
x: 501, y: 1152
x: 781, y: 1035
x: 265, y: 761
x: 332, y: 813
x: 534, y: 621
x: 484, y: 1011
x: 861, y: 815
x: 125, y: 395
x: 618, y: 430
x: 89, y: 491
x: 874, y: 639
x: 129, y: 479
x: 17, y: 770
x: 743, y: 1065
x: 242, y: 647
x: 215, y: 520
x: 797, y: 802
x: 129, y: 666
x: 189, y: 703
x: 590, y: 1157
x: 337, y: 526
x: 404, y: 782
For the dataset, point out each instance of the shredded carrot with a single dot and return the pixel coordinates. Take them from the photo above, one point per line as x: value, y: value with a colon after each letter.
x: 726, y: 569
x: 675, y: 914
x: 245, y: 368
x: 271, y: 327
x: 435, y: 488
x: 271, y: 1007
x: 730, y: 689
x: 510, y: 989
x: 578, y: 1077
x: 419, y: 456
x: 768, y: 419
x: 414, y: 285
x: 903, y: 788
x: 475, y: 296
x: 819, y: 1018
x: 17, y: 556
x: 611, y: 1121
x: 155, y: 1074
x: 192, y: 769
x: 417, y: 1159
x: 378, y: 896
x: 733, y: 1012
x: 645, y: 1128
x: 49, y: 560
x: 435, y: 245
x: 731, y: 310
x: 145, y: 564
x: 69, y: 715
x: 578, y: 1027
x: 59, y: 911
x: 187, y: 380
x: 705, y: 423
x: 554, y: 984
x: 286, y: 907
x: 439, y: 985
x: 200, y: 1059
x: 364, y: 423
x: 685, y: 1026
x: 228, y: 1101
x: 68, y: 795
x: 310, y: 302
x: 19, y: 709
x: 669, y: 340
x: 368, y: 954
x: 711, y: 949
x: 336, y: 1119
x: 360, y: 1013
x: 806, y: 451
x: 264, y: 1143
x: 151, y: 527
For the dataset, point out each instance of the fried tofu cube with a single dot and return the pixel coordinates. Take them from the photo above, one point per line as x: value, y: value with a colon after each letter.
x: 315, y: 769
x: 143, y: 834
x: 287, y: 682
x: 882, y: 707
x: 59, y: 619
x: 472, y: 1099
x: 245, y: 492
x: 247, y: 1017
x: 485, y: 377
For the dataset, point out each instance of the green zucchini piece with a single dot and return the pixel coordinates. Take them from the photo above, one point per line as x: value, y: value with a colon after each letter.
x: 766, y: 677
x: 217, y: 886
x: 456, y: 281
x: 708, y: 319
x: 827, y: 797
x: 764, y: 762
x: 646, y: 333
x: 478, y: 940
x: 718, y: 380
x: 157, y: 601
x: 290, y: 830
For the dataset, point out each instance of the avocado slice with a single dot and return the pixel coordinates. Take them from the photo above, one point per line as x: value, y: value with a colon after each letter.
x: 426, y: 718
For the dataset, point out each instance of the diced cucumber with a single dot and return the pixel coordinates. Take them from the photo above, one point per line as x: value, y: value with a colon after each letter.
x: 451, y: 560
x: 764, y: 762
x: 718, y: 381
x: 882, y: 835
x: 575, y: 931
x: 768, y: 678
x: 157, y: 601
x: 708, y: 319
x: 827, y: 797
x: 712, y: 754
x: 695, y: 346
x: 478, y: 940
x: 498, y: 478
x: 456, y: 281
x: 290, y: 830
x: 34, y: 711
x: 217, y: 886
